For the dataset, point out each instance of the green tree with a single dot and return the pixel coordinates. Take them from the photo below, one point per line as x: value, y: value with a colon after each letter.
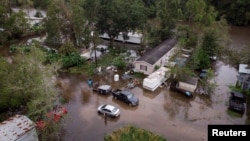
x: 151, y: 8
x: 181, y: 73
x: 66, y: 21
x: 115, y: 16
x: 4, y: 11
x: 237, y: 12
x: 194, y: 10
x: 42, y: 4
x: 26, y: 80
x: 30, y: 84
x: 52, y: 23
x: 204, y: 61
x: 91, y: 10
x: 27, y: 4
x: 208, y: 47
x: 209, y: 43
x: 79, y: 26
x: 194, y: 60
x: 16, y: 24
x: 70, y: 56
x: 168, y: 12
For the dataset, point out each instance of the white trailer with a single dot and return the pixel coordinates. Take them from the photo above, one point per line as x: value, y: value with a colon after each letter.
x: 154, y: 80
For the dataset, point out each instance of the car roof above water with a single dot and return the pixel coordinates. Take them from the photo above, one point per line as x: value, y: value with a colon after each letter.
x: 105, y: 87
x: 107, y: 106
x: 237, y: 94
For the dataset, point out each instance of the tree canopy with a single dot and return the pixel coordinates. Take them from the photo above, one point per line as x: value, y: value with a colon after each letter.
x: 115, y: 16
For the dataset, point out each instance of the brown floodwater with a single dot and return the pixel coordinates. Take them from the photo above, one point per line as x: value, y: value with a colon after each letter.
x: 170, y: 114
x: 164, y: 112
x: 240, y: 37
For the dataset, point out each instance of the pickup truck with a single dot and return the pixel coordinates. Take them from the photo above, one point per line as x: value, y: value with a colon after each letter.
x: 125, y: 96
x: 237, y: 102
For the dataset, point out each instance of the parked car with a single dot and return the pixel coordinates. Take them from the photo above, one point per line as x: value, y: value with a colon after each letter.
x: 203, y: 73
x: 126, y: 97
x: 213, y: 58
x: 237, y: 102
x: 103, y: 89
x: 174, y: 87
x: 108, y: 110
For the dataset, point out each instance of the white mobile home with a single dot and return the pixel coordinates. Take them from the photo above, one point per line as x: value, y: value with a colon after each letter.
x: 18, y: 128
x: 133, y: 37
x: 156, y: 57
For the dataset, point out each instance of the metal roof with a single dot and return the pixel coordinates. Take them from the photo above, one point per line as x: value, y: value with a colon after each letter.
x: 190, y: 80
x: 14, y: 127
x: 156, y: 53
x: 237, y: 94
x: 243, y: 68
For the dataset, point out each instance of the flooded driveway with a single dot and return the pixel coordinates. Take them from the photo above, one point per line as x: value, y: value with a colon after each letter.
x: 167, y: 113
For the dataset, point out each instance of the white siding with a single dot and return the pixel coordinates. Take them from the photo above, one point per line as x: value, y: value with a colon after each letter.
x: 160, y: 63
x: 138, y: 64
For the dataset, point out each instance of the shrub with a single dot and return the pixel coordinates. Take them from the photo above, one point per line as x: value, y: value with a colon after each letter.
x: 131, y: 133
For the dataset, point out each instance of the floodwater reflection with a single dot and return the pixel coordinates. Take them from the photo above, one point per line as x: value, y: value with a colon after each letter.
x: 170, y: 114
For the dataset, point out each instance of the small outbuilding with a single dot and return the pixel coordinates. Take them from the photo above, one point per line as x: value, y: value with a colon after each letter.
x: 244, y: 76
x: 188, y: 84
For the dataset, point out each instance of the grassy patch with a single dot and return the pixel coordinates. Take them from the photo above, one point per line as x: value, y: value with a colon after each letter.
x: 131, y: 133
x: 104, y: 61
x: 234, y: 114
x: 139, y: 75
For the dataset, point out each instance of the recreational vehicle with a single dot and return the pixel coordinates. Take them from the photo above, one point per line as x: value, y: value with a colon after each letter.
x: 157, y: 78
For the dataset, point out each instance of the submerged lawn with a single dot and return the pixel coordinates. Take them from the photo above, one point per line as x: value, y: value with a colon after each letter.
x: 131, y: 133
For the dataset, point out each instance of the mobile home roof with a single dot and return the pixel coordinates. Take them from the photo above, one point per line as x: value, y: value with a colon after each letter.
x: 14, y: 127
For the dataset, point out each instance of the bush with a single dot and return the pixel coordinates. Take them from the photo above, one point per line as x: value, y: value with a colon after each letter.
x: 72, y: 59
x: 131, y: 133
x: 119, y: 62
x: 52, y: 57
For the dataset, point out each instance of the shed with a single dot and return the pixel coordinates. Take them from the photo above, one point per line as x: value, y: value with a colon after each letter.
x: 243, y: 68
x: 188, y: 84
x: 156, y: 57
x: 18, y: 128
x: 244, y: 76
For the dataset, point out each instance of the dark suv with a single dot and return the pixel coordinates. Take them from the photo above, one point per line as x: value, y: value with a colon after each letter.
x: 237, y: 102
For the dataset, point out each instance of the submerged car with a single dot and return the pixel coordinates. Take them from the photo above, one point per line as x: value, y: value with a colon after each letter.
x: 237, y: 102
x: 103, y: 89
x: 108, y: 110
x: 126, y: 97
x: 203, y: 73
